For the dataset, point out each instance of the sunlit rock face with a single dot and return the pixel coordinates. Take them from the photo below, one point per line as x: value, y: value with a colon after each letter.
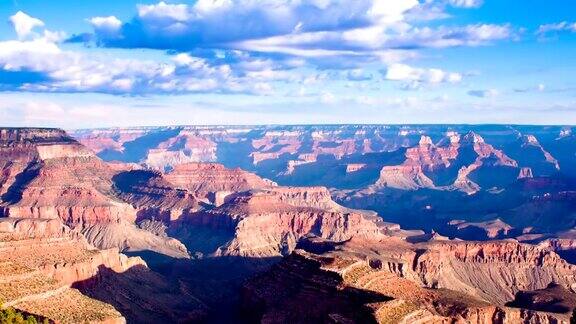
x: 432, y: 282
x: 52, y: 272
x: 48, y: 175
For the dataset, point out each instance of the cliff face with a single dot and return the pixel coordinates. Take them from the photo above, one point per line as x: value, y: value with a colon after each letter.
x: 214, y: 182
x: 49, y: 270
x: 55, y: 177
x: 48, y: 175
x: 445, y: 166
x: 383, y: 282
x: 41, y: 259
x: 493, y: 271
x: 409, y: 172
x: 270, y: 222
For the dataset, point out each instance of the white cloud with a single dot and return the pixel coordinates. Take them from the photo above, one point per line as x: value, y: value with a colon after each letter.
x: 24, y: 25
x: 466, y: 3
x: 162, y: 10
x: 541, y: 87
x: 69, y: 71
x: 375, y: 40
x: 328, y: 98
x: 109, y: 25
x: 403, y: 72
x: 557, y: 27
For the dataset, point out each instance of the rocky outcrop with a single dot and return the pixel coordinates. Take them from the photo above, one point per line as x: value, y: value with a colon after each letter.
x: 51, y: 271
x: 153, y: 196
x: 354, y: 167
x: 51, y: 176
x: 270, y: 222
x: 525, y: 173
x: 403, y: 177
x: 39, y: 266
x: 129, y: 238
x: 213, y: 181
x: 351, y: 286
x: 529, y: 153
x: 186, y: 147
x: 488, y: 230
x: 12, y: 229
x: 465, y: 154
x: 493, y: 271
x: 79, y: 193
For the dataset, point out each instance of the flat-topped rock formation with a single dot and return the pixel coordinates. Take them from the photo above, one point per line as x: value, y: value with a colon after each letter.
x: 213, y: 181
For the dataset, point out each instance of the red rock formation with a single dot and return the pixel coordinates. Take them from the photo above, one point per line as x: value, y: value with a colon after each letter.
x: 213, y: 181
x: 108, y: 139
x: 426, y: 158
x: 270, y: 222
x: 43, y: 259
x: 51, y: 176
x: 78, y: 193
x: 274, y: 144
x: 525, y: 173
x: 362, y: 285
x: 493, y: 229
x: 187, y: 146
x: 153, y: 196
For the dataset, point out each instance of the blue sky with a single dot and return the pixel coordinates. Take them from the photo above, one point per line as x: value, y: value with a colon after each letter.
x: 129, y: 63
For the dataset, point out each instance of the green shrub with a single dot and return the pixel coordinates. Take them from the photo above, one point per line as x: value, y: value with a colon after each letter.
x: 12, y: 316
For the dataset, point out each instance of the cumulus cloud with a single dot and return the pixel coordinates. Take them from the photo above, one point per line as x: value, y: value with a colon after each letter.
x: 41, y: 65
x: 24, y: 25
x: 307, y: 28
x: 233, y: 46
x: 378, y: 40
x: 106, y: 26
x: 184, y: 27
x: 490, y: 93
x: 415, y: 76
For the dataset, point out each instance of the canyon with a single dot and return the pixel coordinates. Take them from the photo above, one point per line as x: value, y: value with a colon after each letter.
x: 370, y: 223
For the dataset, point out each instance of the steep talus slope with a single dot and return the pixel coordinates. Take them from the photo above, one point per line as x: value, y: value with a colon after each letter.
x: 384, y: 282
x: 494, y: 271
x: 50, y: 270
x: 153, y: 196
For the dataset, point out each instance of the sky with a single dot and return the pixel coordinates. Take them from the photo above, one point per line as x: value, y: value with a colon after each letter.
x: 103, y: 63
